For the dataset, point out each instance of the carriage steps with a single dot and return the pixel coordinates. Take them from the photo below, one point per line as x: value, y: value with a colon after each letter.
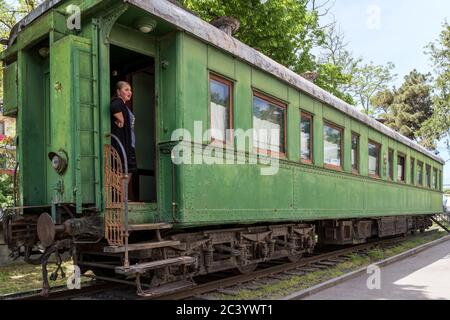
x: 141, y: 246
x: 141, y: 268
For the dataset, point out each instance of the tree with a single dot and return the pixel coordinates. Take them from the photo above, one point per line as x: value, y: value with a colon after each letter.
x: 284, y: 30
x: 10, y: 14
x: 406, y: 108
x: 6, y: 190
x: 367, y: 81
x: 336, y: 64
x: 438, y: 125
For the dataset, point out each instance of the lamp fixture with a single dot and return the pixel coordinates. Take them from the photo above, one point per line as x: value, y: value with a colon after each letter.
x: 146, y: 25
x: 58, y: 161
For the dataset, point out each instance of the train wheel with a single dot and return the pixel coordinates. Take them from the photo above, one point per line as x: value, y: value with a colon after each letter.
x: 249, y: 268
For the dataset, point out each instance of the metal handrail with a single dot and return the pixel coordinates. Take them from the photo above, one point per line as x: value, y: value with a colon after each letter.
x: 125, y: 190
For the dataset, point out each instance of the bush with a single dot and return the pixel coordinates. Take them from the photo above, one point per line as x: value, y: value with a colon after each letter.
x: 6, y: 190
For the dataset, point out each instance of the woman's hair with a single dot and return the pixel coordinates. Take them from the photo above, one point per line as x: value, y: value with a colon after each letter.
x: 119, y: 86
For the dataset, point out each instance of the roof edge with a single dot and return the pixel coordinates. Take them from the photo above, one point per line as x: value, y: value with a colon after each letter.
x: 201, y: 29
x: 186, y: 20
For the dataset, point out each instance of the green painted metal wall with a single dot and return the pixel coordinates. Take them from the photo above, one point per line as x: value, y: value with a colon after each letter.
x: 239, y: 193
x: 69, y: 110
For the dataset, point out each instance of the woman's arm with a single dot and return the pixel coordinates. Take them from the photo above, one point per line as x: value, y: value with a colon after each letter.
x: 119, y: 120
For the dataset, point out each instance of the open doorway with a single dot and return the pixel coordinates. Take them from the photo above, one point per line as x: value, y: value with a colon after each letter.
x: 139, y: 70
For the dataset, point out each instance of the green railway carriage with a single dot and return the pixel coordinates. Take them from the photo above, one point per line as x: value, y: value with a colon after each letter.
x: 338, y: 173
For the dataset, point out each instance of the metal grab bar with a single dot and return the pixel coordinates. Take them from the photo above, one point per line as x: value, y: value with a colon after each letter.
x: 125, y: 190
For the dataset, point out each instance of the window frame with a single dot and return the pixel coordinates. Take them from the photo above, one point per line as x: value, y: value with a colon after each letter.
x: 378, y: 147
x: 428, y: 180
x: 390, y: 165
x: 309, y: 116
x: 354, y: 134
x: 341, y: 160
x: 419, y: 182
x: 412, y: 171
x: 280, y: 104
x: 401, y: 155
x: 230, y: 84
x: 435, y: 177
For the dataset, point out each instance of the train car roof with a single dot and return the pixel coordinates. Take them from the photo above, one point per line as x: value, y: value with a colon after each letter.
x: 187, y: 21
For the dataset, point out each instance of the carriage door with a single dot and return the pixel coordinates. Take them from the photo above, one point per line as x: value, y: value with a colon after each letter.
x: 75, y: 120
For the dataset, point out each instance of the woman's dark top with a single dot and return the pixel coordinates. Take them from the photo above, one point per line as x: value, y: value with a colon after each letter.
x: 125, y: 134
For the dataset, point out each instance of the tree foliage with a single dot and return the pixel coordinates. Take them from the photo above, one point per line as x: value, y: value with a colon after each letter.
x: 367, y: 81
x: 406, y: 108
x: 336, y: 64
x: 438, y: 125
x: 284, y: 30
x: 10, y: 13
x: 6, y: 190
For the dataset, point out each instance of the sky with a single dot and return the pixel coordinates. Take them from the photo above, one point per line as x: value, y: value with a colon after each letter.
x: 393, y: 31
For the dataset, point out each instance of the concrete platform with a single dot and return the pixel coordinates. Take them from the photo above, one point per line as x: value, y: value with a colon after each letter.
x: 424, y: 276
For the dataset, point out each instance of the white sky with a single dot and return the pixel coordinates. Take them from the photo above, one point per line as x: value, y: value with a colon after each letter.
x: 395, y: 31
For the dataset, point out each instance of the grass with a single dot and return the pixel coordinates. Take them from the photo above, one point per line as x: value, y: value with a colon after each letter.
x: 282, y: 288
x: 25, y: 277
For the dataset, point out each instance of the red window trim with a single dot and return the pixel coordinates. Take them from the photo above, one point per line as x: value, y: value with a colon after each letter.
x: 378, y: 147
x: 281, y: 105
x: 354, y: 134
x: 215, y: 77
x: 402, y: 155
x: 341, y: 130
x: 309, y: 116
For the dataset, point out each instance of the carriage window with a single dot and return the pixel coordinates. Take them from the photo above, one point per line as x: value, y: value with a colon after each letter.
x: 332, y: 137
x: 355, y: 152
x: 401, y: 168
x: 268, y: 124
x: 435, y: 178
x: 390, y: 164
x: 220, y: 108
x: 412, y: 171
x: 419, y: 173
x: 374, y: 159
x: 306, y: 137
x: 428, y: 176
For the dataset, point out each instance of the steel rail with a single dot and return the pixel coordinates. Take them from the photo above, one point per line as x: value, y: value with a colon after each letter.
x: 234, y: 280
x: 211, y: 285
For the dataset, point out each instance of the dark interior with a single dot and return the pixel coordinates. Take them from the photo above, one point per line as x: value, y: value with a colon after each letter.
x: 139, y: 70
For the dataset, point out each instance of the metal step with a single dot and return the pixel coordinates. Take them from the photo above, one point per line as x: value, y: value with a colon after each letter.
x: 149, y: 226
x: 143, y: 267
x: 165, y: 289
x: 141, y: 246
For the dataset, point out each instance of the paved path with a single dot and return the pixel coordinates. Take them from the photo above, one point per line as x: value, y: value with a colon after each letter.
x: 422, y: 276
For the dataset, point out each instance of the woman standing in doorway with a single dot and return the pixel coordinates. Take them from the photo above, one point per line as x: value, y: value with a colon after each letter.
x: 122, y: 124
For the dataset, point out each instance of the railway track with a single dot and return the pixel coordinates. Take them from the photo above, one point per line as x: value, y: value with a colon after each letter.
x: 279, y: 271
x: 225, y: 283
